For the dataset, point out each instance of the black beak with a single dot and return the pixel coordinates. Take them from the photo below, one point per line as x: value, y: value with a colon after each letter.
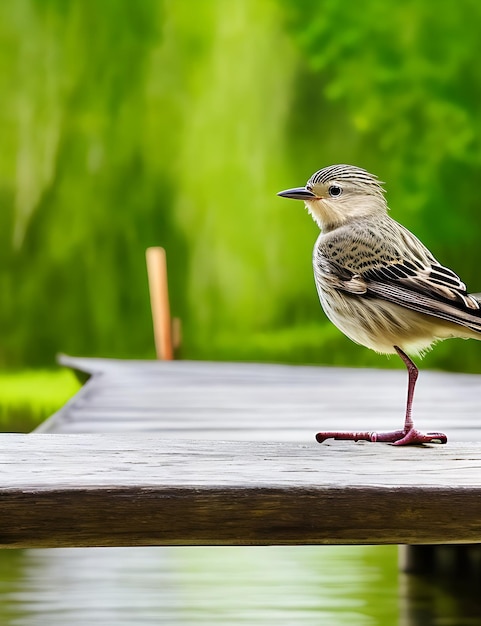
x: 298, y: 193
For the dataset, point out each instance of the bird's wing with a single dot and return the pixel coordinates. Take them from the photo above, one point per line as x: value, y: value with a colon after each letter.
x: 399, y: 269
x: 427, y: 304
x: 431, y: 279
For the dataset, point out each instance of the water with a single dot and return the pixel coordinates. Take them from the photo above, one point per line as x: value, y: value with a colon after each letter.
x: 329, y: 585
x: 140, y: 586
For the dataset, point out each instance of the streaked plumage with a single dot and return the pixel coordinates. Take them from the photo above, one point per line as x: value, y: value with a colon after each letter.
x: 376, y: 281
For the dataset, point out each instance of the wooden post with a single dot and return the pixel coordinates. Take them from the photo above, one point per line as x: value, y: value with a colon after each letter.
x: 159, y: 302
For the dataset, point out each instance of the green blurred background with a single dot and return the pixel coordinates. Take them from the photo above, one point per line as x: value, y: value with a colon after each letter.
x: 174, y: 123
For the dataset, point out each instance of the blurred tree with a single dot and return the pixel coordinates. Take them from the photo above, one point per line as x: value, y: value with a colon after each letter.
x: 395, y: 89
x: 174, y: 123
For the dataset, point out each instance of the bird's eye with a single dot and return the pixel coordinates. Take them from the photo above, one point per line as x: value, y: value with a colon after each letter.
x: 335, y: 191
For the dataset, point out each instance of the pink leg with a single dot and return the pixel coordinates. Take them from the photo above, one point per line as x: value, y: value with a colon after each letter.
x: 409, y: 435
x: 412, y: 435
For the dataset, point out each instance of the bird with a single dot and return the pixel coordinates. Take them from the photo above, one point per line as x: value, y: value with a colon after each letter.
x: 379, y: 284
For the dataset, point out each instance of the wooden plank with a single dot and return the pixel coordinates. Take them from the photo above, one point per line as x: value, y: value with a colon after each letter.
x: 102, y: 490
x: 260, y: 402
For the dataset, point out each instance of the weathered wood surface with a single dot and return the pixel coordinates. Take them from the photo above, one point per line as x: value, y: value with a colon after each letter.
x: 127, y: 490
x: 243, y: 401
x: 195, y: 453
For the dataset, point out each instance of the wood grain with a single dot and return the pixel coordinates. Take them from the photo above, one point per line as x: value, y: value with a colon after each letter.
x: 260, y: 402
x: 195, y: 453
x: 102, y: 490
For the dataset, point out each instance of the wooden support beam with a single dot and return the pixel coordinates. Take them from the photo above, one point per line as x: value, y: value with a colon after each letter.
x: 159, y: 302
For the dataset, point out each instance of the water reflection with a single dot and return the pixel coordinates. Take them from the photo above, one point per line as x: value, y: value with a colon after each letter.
x: 442, y: 601
x: 329, y: 585
x: 137, y: 586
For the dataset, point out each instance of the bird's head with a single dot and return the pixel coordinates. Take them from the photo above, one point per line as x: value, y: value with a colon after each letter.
x: 339, y: 193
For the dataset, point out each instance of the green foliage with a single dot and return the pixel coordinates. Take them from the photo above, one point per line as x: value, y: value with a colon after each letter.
x: 28, y: 397
x: 174, y: 123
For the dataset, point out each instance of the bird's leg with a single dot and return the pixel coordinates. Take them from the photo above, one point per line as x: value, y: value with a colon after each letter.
x: 409, y: 435
x: 412, y: 436
x: 413, y: 373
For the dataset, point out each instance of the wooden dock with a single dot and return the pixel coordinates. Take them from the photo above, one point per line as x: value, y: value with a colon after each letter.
x: 194, y: 453
x: 260, y: 402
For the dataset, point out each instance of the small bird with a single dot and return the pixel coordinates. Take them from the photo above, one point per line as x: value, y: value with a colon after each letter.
x: 379, y: 284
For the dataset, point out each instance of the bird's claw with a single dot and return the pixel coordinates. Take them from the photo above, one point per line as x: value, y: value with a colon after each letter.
x: 414, y: 437
x: 346, y: 436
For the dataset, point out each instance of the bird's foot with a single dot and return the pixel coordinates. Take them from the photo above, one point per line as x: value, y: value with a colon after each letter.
x: 414, y: 437
x: 411, y: 437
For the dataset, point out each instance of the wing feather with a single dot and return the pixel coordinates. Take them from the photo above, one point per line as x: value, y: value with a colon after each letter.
x: 424, y: 303
x: 392, y: 264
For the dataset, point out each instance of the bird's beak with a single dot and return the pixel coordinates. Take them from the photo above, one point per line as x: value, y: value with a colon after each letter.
x: 298, y: 193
